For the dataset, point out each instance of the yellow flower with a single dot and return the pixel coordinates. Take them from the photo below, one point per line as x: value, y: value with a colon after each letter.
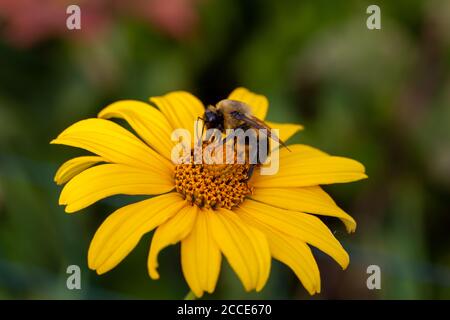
x: 248, y: 225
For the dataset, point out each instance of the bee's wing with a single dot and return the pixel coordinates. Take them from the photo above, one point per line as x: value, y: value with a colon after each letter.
x: 257, y: 123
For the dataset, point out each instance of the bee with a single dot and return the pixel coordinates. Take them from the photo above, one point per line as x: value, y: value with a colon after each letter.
x: 232, y: 114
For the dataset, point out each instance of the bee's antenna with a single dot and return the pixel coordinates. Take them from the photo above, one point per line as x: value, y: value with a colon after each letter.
x: 285, y: 146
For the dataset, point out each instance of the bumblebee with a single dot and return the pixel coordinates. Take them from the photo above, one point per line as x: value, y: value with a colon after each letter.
x: 232, y: 114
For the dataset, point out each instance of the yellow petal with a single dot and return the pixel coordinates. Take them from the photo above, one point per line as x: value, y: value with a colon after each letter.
x: 258, y: 103
x: 245, y: 248
x: 200, y: 257
x: 310, y: 167
x: 113, y: 143
x: 181, y: 109
x: 306, y: 199
x: 303, y: 226
x: 106, y: 180
x: 123, y: 229
x: 151, y: 125
x: 170, y: 232
x: 298, y: 256
x: 74, y: 166
x: 287, y: 130
x: 292, y: 251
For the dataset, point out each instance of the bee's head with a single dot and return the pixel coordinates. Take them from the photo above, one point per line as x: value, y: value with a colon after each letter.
x: 213, y: 119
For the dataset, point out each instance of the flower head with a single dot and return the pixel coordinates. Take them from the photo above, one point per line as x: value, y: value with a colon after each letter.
x: 213, y: 210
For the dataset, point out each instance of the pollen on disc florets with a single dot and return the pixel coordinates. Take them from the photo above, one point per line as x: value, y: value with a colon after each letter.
x: 213, y: 185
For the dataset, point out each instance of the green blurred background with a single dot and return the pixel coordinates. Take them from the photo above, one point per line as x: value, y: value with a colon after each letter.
x: 379, y: 96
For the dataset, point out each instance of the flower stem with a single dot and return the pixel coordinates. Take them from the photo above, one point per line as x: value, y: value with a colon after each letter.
x: 190, y: 296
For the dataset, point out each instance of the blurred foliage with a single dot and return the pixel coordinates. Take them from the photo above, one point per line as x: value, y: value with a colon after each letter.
x: 381, y: 96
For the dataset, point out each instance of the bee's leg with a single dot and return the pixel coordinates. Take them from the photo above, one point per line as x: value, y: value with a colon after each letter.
x: 261, y: 159
x: 227, y: 138
x: 250, y: 171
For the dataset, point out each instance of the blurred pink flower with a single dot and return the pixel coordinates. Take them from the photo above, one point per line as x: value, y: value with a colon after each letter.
x: 26, y: 22
x: 177, y: 18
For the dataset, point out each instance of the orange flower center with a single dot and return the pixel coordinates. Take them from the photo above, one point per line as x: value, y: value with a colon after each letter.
x: 213, y: 185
